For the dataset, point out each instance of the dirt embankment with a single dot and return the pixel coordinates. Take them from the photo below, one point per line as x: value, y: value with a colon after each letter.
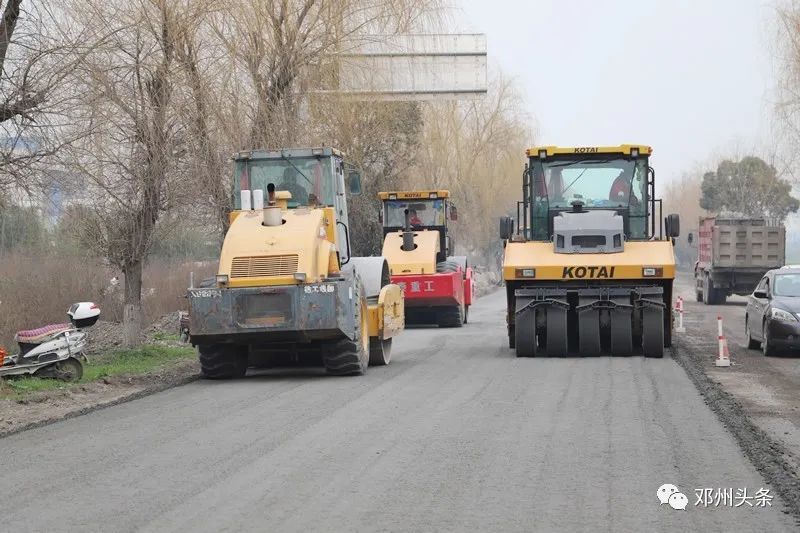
x: 41, y: 408
x: 35, y: 409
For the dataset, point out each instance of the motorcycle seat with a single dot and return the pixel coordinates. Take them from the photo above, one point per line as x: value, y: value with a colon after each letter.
x: 42, y: 334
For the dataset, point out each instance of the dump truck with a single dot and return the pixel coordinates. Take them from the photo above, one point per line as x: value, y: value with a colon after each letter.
x: 437, y: 285
x: 288, y: 290
x: 733, y: 254
x: 590, y: 268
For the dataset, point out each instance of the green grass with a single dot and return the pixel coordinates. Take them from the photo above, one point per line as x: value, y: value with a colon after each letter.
x: 163, y: 336
x: 119, y: 362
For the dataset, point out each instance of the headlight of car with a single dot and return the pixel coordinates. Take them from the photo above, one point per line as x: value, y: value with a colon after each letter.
x: 780, y: 314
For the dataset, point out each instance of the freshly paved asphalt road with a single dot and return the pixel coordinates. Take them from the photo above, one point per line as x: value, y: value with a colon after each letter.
x: 456, y: 434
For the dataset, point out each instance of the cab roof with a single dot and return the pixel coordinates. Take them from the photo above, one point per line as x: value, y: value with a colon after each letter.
x: 321, y: 151
x: 622, y: 149
x: 413, y: 195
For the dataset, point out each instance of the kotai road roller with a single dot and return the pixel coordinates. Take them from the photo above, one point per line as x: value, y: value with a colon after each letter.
x: 416, y: 242
x: 589, y: 268
x: 288, y: 290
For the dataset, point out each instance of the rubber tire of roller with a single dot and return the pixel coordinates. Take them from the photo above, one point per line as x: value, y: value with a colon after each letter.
x: 589, y: 333
x: 621, y: 333
x: 350, y: 357
x: 653, y: 332
x: 557, y: 332
x: 221, y: 361
x: 525, y: 334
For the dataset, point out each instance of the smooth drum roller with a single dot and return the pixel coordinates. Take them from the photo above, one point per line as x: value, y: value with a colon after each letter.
x: 374, y: 274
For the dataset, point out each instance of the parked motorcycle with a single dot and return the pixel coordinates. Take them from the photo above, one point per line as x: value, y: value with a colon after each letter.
x: 53, y: 351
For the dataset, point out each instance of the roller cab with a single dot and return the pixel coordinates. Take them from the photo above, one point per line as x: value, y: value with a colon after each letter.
x: 437, y: 285
x: 589, y: 264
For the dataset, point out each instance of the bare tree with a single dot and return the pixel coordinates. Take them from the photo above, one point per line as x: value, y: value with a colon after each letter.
x: 252, y: 67
x: 476, y: 150
x: 134, y: 151
x: 36, y: 55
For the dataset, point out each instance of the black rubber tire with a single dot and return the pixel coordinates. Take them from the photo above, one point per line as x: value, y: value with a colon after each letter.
x: 466, y: 313
x: 557, y: 341
x: 711, y: 295
x: 706, y: 290
x: 451, y: 317
x: 380, y: 351
x: 621, y: 333
x: 766, y: 347
x: 752, y: 344
x: 347, y: 357
x: 512, y: 337
x: 653, y: 332
x: 222, y: 361
x: 589, y: 333
x: 525, y: 333
x: 69, y: 370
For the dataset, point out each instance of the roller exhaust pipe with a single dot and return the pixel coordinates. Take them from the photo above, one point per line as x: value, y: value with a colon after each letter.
x: 408, y: 235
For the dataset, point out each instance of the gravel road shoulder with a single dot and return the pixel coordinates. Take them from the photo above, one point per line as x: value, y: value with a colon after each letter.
x: 730, y: 393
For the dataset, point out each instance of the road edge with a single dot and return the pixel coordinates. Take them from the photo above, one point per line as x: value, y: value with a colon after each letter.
x: 764, y: 453
x: 149, y: 390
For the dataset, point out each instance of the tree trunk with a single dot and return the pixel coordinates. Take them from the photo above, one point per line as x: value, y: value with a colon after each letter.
x: 132, y: 306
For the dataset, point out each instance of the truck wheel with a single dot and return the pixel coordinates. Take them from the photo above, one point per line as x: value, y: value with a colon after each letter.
x: 711, y: 295
x: 351, y: 357
x: 706, y: 290
x: 466, y: 313
x: 221, y: 361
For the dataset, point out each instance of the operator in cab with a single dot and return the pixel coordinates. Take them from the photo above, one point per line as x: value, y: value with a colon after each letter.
x: 621, y: 190
x: 413, y: 219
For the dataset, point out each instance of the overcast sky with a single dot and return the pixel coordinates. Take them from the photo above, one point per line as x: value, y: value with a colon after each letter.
x: 687, y: 77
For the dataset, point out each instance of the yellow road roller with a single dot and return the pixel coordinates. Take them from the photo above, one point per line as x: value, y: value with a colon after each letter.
x: 288, y: 291
x: 589, y: 264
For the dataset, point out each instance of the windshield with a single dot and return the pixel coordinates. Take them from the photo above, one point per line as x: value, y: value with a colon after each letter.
x: 615, y: 183
x: 787, y: 285
x: 312, y: 175
x: 600, y: 183
x: 421, y: 213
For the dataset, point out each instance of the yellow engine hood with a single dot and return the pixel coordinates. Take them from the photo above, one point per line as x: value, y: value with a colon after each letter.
x: 628, y: 264
x: 255, y: 255
x: 421, y: 260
